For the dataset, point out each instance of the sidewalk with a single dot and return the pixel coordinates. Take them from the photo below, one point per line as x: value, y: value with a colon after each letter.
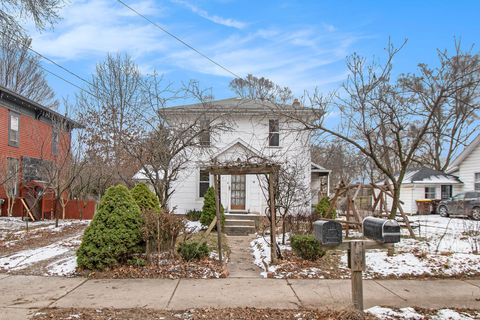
x: 22, y: 295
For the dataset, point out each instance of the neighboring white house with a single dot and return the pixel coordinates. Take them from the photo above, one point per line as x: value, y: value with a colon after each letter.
x: 467, y: 167
x: 255, y: 131
x: 425, y: 183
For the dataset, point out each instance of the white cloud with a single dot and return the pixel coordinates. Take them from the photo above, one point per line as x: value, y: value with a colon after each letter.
x: 228, y: 22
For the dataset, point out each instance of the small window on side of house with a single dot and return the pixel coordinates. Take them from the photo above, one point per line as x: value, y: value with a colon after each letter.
x: 11, y: 183
x: 204, y: 136
x: 430, y: 193
x: 55, y: 138
x: 273, y: 133
x: 13, y: 129
x: 446, y: 192
x: 476, y: 185
x: 204, y: 183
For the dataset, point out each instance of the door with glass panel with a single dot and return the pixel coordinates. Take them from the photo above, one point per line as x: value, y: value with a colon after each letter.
x: 238, y: 192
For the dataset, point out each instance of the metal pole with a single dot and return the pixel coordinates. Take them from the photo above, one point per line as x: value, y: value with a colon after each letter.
x: 273, y: 219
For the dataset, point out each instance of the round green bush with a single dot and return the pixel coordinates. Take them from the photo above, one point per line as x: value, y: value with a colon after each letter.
x: 324, y: 209
x: 209, y: 211
x: 192, y: 250
x: 114, y: 233
x: 145, y: 198
x: 306, y: 247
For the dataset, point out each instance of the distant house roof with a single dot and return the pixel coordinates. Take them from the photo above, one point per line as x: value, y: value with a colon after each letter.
x: 23, y: 102
x: 318, y: 168
x: 463, y: 155
x: 430, y: 176
x: 235, y: 105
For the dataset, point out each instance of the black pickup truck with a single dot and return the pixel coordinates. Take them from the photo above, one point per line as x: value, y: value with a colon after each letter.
x: 462, y: 204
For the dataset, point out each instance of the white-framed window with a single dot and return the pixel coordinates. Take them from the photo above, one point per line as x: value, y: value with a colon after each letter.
x: 476, y: 184
x: 204, y: 137
x: 204, y: 182
x: 13, y: 129
x: 12, y: 177
x: 430, y: 193
x: 273, y: 133
x: 446, y: 192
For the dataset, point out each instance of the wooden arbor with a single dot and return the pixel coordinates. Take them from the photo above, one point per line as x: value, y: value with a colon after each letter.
x: 270, y: 169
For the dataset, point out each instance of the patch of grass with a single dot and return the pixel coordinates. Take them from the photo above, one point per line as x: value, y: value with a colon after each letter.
x: 212, y: 241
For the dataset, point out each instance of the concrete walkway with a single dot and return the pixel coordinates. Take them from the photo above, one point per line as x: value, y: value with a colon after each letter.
x: 21, y: 296
x: 241, y: 261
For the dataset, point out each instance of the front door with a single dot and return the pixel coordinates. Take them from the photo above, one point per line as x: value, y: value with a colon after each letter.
x: 238, y: 192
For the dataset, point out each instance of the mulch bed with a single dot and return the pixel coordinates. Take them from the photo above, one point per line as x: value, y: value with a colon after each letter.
x: 168, y: 268
x: 194, y: 314
x: 293, y: 267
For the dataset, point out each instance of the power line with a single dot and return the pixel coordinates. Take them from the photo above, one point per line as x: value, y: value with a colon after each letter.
x: 180, y: 40
x: 48, y: 59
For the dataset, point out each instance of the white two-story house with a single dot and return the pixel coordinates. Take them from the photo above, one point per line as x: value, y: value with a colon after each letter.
x: 245, y: 132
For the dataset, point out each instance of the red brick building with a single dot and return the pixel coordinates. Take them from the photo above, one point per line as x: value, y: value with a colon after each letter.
x: 30, y: 135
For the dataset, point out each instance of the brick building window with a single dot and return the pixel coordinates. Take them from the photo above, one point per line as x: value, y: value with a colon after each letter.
x: 55, y: 138
x: 13, y: 129
x: 11, y: 185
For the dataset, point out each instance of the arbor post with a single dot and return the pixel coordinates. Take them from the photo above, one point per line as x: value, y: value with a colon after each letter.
x: 216, y: 187
x: 273, y: 219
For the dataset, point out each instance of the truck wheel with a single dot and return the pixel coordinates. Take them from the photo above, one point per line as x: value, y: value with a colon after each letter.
x: 476, y: 213
x: 443, y: 211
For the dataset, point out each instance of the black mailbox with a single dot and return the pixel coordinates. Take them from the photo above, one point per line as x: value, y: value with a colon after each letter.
x: 386, y: 231
x: 328, y: 232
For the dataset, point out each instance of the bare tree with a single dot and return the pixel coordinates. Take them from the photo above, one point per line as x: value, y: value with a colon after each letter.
x: 386, y: 120
x: 20, y: 71
x: 9, y: 172
x: 112, y: 114
x: 44, y: 13
x: 457, y: 120
x: 169, y: 139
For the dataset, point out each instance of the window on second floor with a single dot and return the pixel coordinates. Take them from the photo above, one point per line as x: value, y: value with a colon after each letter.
x: 430, y: 193
x: 13, y: 129
x: 273, y: 133
x: 204, y: 137
x: 204, y: 182
x: 476, y: 185
x: 55, y: 139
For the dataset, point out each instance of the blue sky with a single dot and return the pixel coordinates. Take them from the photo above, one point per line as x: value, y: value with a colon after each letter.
x: 300, y: 44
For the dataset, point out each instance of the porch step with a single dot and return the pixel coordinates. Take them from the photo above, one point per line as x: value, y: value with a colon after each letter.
x: 240, y: 222
x: 239, y: 230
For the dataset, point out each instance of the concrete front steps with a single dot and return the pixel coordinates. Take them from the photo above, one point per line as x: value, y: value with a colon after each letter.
x: 240, y: 224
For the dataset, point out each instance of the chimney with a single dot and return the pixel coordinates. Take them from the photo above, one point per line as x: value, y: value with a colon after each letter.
x: 296, y: 103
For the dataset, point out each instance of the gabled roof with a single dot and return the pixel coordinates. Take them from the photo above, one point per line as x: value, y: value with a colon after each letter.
x: 427, y: 175
x: 23, y: 102
x: 235, y: 105
x: 318, y: 168
x: 248, y: 149
x: 463, y: 155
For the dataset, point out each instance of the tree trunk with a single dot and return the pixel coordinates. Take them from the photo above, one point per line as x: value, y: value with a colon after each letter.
x: 283, y: 231
x: 395, y: 201
x: 10, y: 203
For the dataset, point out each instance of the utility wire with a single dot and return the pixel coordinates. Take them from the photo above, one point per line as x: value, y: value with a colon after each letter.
x: 179, y: 40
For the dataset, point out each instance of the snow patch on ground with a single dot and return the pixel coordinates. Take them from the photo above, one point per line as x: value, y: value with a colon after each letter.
x: 411, y: 314
x: 63, y: 267
x: 26, y: 258
x: 261, y: 252
x: 194, y: 226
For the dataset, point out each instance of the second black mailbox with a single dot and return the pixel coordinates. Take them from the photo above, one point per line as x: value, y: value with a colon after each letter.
x: 328, y: 232
x: 386, y: 231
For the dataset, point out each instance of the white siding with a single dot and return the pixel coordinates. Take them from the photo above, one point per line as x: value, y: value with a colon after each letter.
x: 466, y: 170
x: 294, y: 149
